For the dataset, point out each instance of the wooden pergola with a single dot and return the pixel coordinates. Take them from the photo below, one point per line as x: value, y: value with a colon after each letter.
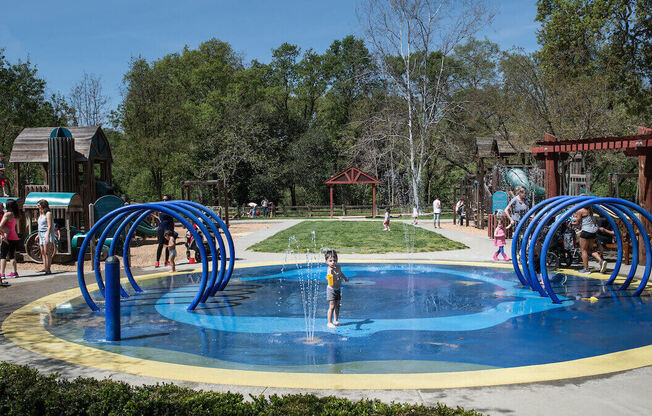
x: 350, y: 176
x: 222, y: 192
x: 638, y: 145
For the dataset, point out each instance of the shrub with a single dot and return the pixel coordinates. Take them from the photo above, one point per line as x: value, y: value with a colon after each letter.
x: 24, y: 391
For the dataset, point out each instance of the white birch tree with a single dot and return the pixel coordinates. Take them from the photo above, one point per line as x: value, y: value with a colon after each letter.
x: 412, y: 40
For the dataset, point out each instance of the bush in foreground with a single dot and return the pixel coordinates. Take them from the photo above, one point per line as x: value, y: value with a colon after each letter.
x: 24, y: 391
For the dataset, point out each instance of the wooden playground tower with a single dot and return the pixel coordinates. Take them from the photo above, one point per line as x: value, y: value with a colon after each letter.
x: 473, y: 189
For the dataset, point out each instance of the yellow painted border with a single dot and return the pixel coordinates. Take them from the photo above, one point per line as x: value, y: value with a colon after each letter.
x: 24, y: 329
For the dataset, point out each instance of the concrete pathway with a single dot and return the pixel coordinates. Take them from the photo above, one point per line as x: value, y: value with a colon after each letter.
x: 626, y: 393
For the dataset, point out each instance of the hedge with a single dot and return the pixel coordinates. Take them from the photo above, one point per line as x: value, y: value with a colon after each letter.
x: 24, y: 391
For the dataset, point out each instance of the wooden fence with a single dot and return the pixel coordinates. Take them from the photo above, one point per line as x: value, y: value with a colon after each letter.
x: 318, y: 211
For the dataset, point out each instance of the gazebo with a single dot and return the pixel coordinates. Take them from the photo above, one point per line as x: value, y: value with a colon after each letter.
x: 350, y: 176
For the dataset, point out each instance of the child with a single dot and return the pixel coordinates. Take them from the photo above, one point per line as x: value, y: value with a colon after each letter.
x: 499, y: 241
x: 415, y: 215
x: 334, y: 276
x: 386, y: 221
x: 3, y: 180
x: 171, y: 238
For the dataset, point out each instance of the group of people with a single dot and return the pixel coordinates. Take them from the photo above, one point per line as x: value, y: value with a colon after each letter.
x: 9, y: 240
x: 594, y: 235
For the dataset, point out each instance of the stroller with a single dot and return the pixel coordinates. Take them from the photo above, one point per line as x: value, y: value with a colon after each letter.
x: 191, y: 245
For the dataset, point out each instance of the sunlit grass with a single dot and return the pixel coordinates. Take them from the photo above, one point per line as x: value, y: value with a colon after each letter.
x: 358, y: 237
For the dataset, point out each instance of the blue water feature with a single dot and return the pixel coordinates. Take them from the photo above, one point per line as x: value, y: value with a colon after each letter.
x: 397, y: 318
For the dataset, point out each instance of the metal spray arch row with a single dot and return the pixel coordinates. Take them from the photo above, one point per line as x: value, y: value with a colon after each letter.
x: 186, y: 212
x: 555, y: 212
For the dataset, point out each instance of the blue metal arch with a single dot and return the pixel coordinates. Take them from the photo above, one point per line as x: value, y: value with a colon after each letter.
x: 517, y: 231
x: 116, y: 233
x: 551, y: 207
x: 128, y: 209
x: 229, y: 240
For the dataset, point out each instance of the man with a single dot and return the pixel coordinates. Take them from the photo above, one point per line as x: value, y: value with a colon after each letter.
x: 436, y: 212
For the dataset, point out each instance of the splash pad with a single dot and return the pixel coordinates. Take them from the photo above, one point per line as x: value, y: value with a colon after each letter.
x: 405, y: 325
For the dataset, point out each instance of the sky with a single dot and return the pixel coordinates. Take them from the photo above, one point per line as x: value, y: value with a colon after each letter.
x: 65, y: 39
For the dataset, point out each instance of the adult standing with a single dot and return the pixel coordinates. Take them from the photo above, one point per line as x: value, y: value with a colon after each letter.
x: 3, y: 179
x: 165, y: 222
x: 517, y: 207
x: 46, y: 234
x: 436, y: 212
x: 588, y: 230
x: 264, y: 205
x: 10, y: 239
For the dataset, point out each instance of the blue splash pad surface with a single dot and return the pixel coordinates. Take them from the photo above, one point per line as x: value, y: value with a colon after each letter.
x: 396, y: 318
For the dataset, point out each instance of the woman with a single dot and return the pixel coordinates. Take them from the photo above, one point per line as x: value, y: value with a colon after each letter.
x: 588, y: 230
x: 516, y: 208
x: 9, y: 239
x: 165, y: 222
x: 46, y: 234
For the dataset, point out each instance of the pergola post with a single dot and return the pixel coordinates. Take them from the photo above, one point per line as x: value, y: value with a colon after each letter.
x: 373, y: 200
x: 552, y: 170
x: 645, y: 188
x: 331, y: 201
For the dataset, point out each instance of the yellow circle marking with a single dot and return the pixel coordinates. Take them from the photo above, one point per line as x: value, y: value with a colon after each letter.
x: 24, y: 329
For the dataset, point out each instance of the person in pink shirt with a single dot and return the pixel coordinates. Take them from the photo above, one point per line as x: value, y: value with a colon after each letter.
x: 499, y: 241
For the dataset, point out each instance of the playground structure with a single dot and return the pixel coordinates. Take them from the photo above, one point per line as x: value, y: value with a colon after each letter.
x: 113, y: 225
x: 350, y: 176
x: 547, y: 218
x: 502, y: 166
x: 75, y: 167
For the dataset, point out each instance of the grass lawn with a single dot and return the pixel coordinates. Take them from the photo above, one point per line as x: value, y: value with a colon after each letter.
x: 358, y: 237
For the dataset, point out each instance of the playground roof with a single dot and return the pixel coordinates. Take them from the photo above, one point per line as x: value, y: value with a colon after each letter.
x: 350, y: 176
x: 31, y: 145
x: 496, y: 146
x: 65, y: 200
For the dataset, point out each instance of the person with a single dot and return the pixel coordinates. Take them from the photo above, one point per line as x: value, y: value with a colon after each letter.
x: 3, y: 179
x: 46, y: 234
x: 171, y: 238
x: 334, y: 276
x: 461, y: 211
x: 386, y: 220
x: 272, y: 209
x: 588, y: 229
x: 499, y: 241
x: 604, y: 235
x: 10, y: 240
x: 436, y: 212
x: 264, y: 205
x: 165, y: 222
x: 415, y: 215
x: 517, y: 207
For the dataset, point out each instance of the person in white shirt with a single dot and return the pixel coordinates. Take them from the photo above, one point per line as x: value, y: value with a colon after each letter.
x: 415, y: 215
x: 386, y: 221
x: 436, y: 212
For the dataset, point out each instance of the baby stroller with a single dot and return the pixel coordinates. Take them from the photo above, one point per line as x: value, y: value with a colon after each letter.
x: 191, y: 245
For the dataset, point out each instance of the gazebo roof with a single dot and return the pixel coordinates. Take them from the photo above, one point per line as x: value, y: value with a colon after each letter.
x: 350, y: 176
x: 31, y: 145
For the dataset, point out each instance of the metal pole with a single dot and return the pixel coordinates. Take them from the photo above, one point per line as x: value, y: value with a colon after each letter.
x: 112, y: 292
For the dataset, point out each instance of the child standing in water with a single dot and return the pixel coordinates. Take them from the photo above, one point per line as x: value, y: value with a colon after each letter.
x: 386, y: 221
x: 334, y: 276
x: 171, y: 238
x: 499, y: 241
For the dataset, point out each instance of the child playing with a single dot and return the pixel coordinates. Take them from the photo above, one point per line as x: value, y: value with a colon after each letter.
x: 171, y: 238
x: 415, y: 215
x: 334, y: 276
x: 386, y: 221
x: 499, y: 241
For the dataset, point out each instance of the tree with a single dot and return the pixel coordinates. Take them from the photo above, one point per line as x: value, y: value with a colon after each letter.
x: 154, y: 120
x: 23, y: 102
x: 610, y: 37
x: 413, y: 39
x: 88, y: 102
